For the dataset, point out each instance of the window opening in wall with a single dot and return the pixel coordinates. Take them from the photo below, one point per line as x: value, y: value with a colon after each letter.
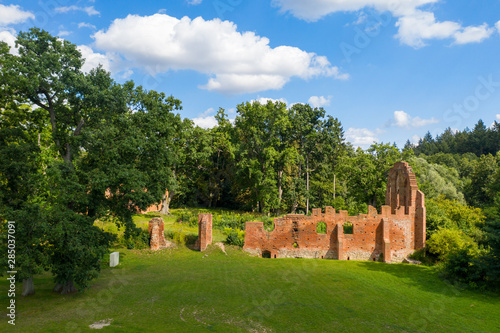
x: 266, y: 254
x: 321, y: 228
x: 348, y: 228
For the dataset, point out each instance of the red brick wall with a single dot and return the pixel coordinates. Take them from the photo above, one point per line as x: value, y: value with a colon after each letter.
x: 156, y: 234
x: 204, y: 231
x: 396, y: 232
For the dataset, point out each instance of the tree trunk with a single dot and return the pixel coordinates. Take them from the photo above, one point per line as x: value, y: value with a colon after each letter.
x: 165, y: 204
x: 28, y: 287
x: 66, y: 288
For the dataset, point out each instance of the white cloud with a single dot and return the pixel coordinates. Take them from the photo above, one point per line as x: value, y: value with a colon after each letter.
x: 89, y: 10
x: 64, y: 33
x: 13, y: 14
x: 8, y: 37
x: 314, y: 10
x: 415, y: 26
x: 205, y: 122
x: 401, y: 119
x: 497, y: 25
x: 237, y: 62
x: 319, y: 101
x: 415, y: 139
x: 474, y: 34
x: 194, y: 2
x: 93, y: 59
x: 265, y: 100
x: 361, y: 137
x: 404, y: 120
x: 86, y: 25
x: 498, y: 118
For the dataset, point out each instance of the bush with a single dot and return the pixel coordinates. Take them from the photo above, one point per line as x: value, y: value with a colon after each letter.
x: 446, y: 241
x: 464, y: 266
x: 235, y: 237
x: 138, y: 239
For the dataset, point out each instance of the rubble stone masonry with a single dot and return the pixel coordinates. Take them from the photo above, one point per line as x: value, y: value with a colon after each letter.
x: 391, y: 235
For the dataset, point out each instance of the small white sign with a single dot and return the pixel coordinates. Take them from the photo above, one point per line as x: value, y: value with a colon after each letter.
x: 114, y: 259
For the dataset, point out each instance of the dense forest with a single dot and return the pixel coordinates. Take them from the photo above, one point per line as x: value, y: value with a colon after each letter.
x: 78, y: 147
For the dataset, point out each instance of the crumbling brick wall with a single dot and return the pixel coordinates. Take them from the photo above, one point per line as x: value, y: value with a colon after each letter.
x: 156, y: 234
x: 204, y: 231
x: 393, y: 234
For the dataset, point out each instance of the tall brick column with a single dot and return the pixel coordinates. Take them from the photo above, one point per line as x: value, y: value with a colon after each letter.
x: 204, y: 231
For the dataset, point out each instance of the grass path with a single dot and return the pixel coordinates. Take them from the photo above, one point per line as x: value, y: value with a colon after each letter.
x: 187, y: 291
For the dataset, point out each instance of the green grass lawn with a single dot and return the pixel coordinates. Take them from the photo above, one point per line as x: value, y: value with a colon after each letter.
x: 188, y: 291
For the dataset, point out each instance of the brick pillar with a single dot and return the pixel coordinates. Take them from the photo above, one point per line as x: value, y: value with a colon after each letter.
x: 420, y: 221
x: 340, y: 240
x: 387, y: 240
x: 156, y: 235
x: 204, y: 231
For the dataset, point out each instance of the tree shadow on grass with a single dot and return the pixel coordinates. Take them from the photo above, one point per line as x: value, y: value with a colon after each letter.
x: 428, y: 279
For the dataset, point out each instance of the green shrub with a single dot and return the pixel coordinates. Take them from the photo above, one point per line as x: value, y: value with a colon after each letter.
x: 138, y: 239
x: 464, y: 266
x: 446, y: 241
x: 235, y: 237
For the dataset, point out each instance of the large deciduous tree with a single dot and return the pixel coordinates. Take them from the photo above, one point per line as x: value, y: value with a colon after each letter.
x: 113, y: 150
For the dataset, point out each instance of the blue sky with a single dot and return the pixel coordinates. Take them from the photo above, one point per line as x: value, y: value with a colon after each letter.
x: 389, y: 70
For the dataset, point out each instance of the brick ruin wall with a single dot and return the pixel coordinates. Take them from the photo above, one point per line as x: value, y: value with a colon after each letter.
x: 204, y: 231
x: 157, y: 239
x: 391, y: 235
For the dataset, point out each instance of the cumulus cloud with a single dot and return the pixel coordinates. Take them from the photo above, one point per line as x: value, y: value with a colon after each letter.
x: 415, y: 139
x: 415, y: 26
x: 236, y: 62
x: 13, y: 14
x: 474, y: 34
x: 404, y: 120
x: 361, y: 137
x: 420, y: 26
x: 90, y: 10
x: 205, y: 122
x: 319, y: 101
x: 94, y: 59
x: 194, y: 2
x: 8, y: 37
x: 498, y: 118
x: 497, y: 25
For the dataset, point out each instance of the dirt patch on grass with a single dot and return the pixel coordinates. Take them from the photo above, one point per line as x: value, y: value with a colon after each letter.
x: 100, y: 324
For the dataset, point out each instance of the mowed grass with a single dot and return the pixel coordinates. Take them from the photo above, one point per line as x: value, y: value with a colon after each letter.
x: 180, y: 290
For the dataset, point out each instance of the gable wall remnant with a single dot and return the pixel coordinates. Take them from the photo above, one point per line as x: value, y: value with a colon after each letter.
x: 391, y: 235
